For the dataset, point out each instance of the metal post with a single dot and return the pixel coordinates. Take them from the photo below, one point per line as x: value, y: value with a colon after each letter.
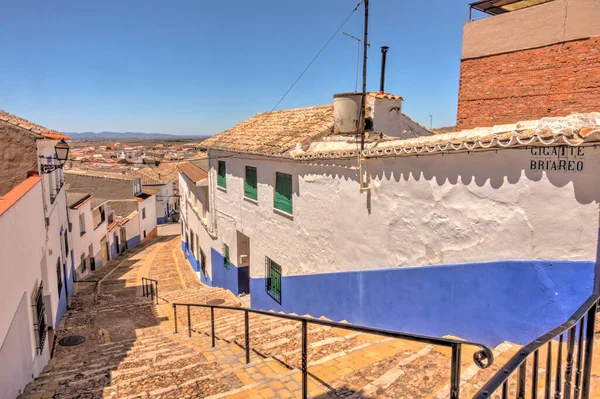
x: 143, y: 286
x: 152, y: 292
x: 247, y: 329
x: 189, y: 322
x: 589, y: 351
x: 521, y: 383
x: 569, y: 365
x: 212, y: 325
x: 304, y: 360
x: 455, y: 371
x: 361, y: 121
x: 534, y: 378
x: 175, y: 316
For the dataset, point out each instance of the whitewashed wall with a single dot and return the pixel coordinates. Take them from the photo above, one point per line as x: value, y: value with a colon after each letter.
x: 132, y: 227
x: 22, y: 256
x: 163, y: 198
x: 81, y: 243
x: 148, y: 223
x: 192, y: 220
x: 426, y: 210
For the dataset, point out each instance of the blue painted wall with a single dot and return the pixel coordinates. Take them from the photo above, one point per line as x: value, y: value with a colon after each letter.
x: 113, y: 250
x: 162, y: 220
x: 196, y: 265
x: 69, y: 284
x: 132, y: 242
x: 490, y: 303
x: 222, y: 277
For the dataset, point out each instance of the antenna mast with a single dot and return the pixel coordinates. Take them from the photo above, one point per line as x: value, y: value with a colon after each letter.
x: 358, y: 42
x: 364, y: 82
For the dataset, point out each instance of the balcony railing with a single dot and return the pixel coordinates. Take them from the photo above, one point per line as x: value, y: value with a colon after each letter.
x: 482, y: 358
x: 521, y: 378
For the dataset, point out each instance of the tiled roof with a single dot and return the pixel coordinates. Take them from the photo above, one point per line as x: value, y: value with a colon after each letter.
x: 149, y: 190
x: 97, y: 201
x: 14, y: 195
x: 571, y: 130
x: 76, y: 199
x: 122, y: 208
x: 152, y: 176
x: 388, y: 96
x: 100, y: 174
x: 276, y: 132
x: 192, y: 171
x: 32, y: 127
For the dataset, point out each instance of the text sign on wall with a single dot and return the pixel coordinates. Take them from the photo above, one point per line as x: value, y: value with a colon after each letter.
x: 563, y: 158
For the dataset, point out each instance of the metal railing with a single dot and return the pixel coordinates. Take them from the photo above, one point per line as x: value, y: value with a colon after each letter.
x: 582, y: 322
x: 150, y: 288
x: 482, y: 358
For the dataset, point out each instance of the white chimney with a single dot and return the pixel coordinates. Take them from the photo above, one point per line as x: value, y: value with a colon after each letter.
x: 346, y: 107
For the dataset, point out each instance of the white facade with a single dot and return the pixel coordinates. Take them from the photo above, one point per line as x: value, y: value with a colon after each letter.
x: 147, y: 210
x: 165, y: 202
x: 23, y: 254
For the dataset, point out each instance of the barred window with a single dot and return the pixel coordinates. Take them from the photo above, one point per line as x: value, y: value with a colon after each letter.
x: 273, y: 280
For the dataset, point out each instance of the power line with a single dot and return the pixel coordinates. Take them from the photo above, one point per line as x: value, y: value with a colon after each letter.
x: 316, y: 56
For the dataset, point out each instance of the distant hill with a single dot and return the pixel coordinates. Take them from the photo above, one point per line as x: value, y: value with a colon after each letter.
x: 131, y: 135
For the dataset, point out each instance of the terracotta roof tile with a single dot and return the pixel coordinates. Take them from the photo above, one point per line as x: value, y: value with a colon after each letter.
x: 192, y: 171
x: 275, y: 132
x: 32, y: 127
x: 14, y: 195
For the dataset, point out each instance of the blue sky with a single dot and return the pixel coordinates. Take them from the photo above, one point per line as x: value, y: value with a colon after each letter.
x: 200, y: 67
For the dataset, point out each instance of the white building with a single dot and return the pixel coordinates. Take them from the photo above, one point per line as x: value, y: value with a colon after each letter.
x: 437, y: 229
x: 36, y: 275
x: 89, y: 231
x: 163, y: 181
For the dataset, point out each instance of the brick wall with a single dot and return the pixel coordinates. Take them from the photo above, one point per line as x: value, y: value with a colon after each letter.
x: 555, y: 80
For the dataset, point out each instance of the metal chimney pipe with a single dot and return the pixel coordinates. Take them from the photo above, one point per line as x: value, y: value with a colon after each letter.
x: 384, y: 51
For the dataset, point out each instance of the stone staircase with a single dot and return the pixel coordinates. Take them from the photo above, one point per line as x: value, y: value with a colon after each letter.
x: 131, y: 350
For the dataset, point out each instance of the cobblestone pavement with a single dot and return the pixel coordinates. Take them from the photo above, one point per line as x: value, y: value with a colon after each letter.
x: 131, y: 350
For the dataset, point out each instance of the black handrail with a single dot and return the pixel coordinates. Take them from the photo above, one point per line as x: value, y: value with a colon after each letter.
x: 150, y: 288
x: 482, y: 358
x: 583, y: 318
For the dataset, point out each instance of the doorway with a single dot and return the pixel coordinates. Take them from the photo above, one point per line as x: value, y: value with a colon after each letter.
x: 92, y: 258
x: 104, y: 249
x: 243, y: 263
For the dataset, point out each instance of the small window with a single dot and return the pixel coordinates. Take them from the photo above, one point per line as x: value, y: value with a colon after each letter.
x: 83, y: 266
x: 273, y: 280
x: 221, y: 177
x: 144, y: 233
x: 59, y: 277
x: 143, y: 213
x: 250, y: 190
x: 283, y: 192
x: 82, y: 224
x: 40, y: 319
x: 226, y: 261
x: 203, y: 262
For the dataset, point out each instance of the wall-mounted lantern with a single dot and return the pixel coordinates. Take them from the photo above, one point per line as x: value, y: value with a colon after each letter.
x: 61, y: 150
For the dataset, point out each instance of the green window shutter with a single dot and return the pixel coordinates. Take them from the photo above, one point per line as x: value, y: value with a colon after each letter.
x: 250, y: 190
x: 283, y: 192
x: 221, y: 177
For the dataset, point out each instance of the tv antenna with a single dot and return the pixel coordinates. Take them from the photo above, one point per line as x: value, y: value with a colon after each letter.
x: 358, y: 42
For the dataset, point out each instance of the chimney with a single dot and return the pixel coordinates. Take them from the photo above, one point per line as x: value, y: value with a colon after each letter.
x: 346, y: 113
x: 384, y: 51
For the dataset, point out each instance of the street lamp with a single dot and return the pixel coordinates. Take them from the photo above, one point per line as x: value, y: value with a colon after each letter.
x: 61, y: 150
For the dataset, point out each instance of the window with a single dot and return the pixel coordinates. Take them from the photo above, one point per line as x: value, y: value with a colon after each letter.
x: 283, y: 192
x: 66, y: 243
x: 226, y: 261
x: 250, y: 190
x: 273, y: 280
x: 83, y: 261
x: 59, y: 277
x: 203, y: 262
x: 81, y: 224
x: 98, y: 216
x: 144, y: 233
x: 40, y: 318
x: 143, y: 213
x: 221, y: 176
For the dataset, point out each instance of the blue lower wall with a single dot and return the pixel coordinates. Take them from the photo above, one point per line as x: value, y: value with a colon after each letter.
x: 113, y: 250
x: 162, y: 220
x: 196, y: 265
x: 132, y: 242
x: 490, y: 303
x: 222, y: 277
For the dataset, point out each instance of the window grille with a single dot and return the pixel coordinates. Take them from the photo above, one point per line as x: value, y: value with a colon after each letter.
x: 40, y: 318
x: 273, y: 280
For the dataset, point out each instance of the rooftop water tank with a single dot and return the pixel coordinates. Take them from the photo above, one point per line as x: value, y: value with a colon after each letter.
x: 346, y: 107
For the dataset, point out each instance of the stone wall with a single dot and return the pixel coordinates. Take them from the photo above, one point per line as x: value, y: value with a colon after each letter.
x: 18, y: 155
